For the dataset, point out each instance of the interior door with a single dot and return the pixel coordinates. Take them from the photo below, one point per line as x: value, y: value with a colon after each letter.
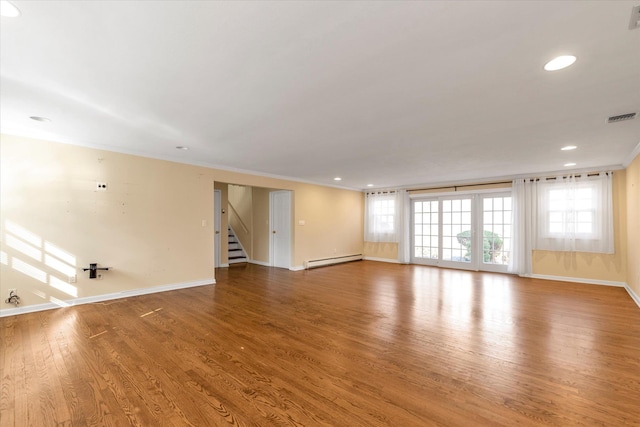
x: 280, y: 220
x: 217, y: 214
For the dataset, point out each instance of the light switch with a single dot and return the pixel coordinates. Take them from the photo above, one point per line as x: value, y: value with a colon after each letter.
x: 204, y: 222
x: 301, y: 222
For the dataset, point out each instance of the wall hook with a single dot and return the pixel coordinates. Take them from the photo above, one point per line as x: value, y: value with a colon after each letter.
x: 93, y: 270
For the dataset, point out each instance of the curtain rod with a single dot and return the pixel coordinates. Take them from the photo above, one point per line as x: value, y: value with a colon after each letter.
x: 455, y: 187
x: 553, y: 178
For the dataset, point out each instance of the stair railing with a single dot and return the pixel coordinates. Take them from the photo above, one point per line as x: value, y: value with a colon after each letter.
x: 240, y: 221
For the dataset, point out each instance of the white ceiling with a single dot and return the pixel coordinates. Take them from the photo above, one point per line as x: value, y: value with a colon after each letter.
x: 389, y: 93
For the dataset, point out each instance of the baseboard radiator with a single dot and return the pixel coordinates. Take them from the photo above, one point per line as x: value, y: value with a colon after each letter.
x: 330, y: 261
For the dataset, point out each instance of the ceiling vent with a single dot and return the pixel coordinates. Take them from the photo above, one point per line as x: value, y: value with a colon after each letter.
x: 635, y: 18
x: 621, y: 117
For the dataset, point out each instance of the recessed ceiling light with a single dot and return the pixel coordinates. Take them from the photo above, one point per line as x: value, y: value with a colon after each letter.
x: 40, y: 119
x: 182, y: 147
x: 569, y: 164
x: 569, y: 147
x: 8, y: 10
x: 337, y: 178
x: 560, y: 62
x: 369, y: 185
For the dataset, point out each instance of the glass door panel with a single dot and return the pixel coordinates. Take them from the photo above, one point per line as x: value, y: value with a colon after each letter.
x: 425, y: 231
x: 496, y: 232
x: 457, y: 232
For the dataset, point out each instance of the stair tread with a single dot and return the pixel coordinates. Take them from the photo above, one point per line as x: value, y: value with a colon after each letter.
x: 235, y: 253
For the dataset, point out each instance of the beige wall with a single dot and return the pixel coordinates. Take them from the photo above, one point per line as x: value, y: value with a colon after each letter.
x: 382, y: 251
x: 633, y: 225
x: 581, y: 265
x: 261, y: 229
x: 325, y: 233
x: 148, y: 225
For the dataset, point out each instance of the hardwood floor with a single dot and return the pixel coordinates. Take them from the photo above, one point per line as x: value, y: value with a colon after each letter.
x: 359, y: 344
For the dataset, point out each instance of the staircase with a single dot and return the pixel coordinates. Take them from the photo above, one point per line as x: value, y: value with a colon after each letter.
x: 236, y: 253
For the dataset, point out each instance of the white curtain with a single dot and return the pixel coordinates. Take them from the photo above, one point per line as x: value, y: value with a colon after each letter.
x: 381, y: 219
x: 404, y: 214
x: 569, y: 214
x: 576, y: 214
x: 524, y: 220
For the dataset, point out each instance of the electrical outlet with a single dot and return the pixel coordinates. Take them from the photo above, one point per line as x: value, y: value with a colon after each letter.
x: 72, y: 279
x: 101, y: 186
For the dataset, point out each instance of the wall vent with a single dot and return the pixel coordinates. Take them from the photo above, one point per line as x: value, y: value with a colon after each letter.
x: 621, y: 117
x: 635, y: 18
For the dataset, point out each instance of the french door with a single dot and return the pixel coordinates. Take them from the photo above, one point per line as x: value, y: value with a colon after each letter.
x: 471, y: 231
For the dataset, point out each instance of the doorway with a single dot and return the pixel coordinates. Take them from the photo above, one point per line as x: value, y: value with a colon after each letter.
x: 471, y: 231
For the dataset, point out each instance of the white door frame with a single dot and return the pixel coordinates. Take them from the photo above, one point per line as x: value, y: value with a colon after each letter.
x: 286, y: 223
x: 217, y: 225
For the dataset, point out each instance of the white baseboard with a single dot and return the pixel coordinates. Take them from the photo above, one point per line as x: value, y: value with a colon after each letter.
x: 390, y: 260
x: 297, y: 268
x: 264, y: 264
x: 579, y: 280
x: 633, y: 295
x: 105, y: 297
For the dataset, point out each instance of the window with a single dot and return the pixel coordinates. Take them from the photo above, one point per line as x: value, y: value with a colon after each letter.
x: 570, y: 212
x: 575, y: 214
x: 381, y: 217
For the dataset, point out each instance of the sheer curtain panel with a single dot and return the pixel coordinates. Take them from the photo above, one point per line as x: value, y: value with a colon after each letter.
x: 575, y: 214
x: 381, y: 218
x: 565, y: 214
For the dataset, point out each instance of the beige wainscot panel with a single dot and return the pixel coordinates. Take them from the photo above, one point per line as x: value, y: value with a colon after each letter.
x: 381, y: 251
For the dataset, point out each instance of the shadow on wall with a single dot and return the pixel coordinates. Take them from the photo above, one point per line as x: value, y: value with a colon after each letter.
x: 39, y: 259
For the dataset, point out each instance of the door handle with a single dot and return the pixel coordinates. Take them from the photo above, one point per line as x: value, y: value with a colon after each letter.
x: 217, y: 231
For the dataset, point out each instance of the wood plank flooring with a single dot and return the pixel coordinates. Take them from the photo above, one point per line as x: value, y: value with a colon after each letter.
x: 359, y: 344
